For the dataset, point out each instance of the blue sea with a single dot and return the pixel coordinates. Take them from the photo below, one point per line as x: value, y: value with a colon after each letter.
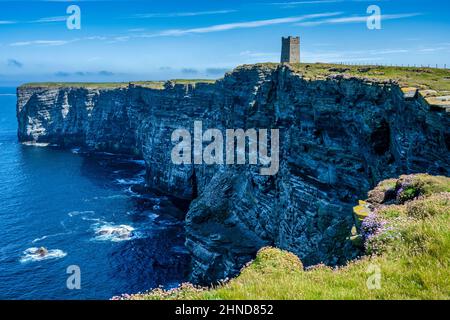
x: 82, y: 209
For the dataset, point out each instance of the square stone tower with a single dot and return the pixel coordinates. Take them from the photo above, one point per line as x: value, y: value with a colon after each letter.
x: 290, y: 49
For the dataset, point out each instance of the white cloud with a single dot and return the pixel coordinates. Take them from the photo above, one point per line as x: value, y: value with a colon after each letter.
x: 41, y: 43
x: 58, y: 42
x: 244, y: 25
x: 6, y: 22
x: 355, y: 19
x: 296, y: 3
x: 388, y: 51
x: 95, y: 38
x: 182, y: 14
x: 252, y: 54
x: 360, y: 55
x: 425, y: 50
x: 136, y: 30
x: 50, y: 19
x: 290, y: 4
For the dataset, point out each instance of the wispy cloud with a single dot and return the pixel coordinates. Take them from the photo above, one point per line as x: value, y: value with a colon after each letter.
x: 136, y: 30
x: 181, y: 14
x: 298, y: 3
x: 290, y: 4
x: 429, y: 50
x: 355, y: 19
x: 49, y: 19
x: 180, y: 32
x: 252, y: 54
x: 40, y: 43
x: 46, y: 43
x: 94, y: 38
x: 244, y: 25
x: 40, y: 20
x: 362, y: 55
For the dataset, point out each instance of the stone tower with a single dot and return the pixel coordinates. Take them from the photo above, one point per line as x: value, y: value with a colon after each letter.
x: 290, y: 49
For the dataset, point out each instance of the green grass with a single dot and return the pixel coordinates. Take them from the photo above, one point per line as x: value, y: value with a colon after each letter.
x: 112, y: 85
x: 193, y: 81
x: 414, y: 260
x: 99, y: 85
x: 422, y: 78
x: 418, y: 77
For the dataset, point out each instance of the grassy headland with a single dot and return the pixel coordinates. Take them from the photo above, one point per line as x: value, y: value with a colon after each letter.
x: 112, y: 85
x: 421, y: 78
x: 405, y: 231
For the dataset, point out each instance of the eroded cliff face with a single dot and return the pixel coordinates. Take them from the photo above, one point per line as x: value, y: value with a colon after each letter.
x: 338, y: 137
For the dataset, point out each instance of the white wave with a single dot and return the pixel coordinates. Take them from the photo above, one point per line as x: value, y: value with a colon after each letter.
x: 105, y: 153
x: 115, y: 233
x: 36, y: 144
x: 50, y: 236
x: 77, y: 213
x: 85, y: 215
x: 153, y: 216
x: 75, y: 150
x: 91, y: 219
x: 138, y: 180
x: 135, y: 194
x: 39, y: 254
x: 114, y: 196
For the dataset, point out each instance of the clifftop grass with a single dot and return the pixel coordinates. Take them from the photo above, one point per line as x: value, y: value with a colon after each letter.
x: 409, y: 242
x: 112, y: 85
x: 421, y: 78
x: 417, y: 77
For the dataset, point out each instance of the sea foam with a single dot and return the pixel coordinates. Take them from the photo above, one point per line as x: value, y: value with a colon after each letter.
x: 32, y: 254
x: 115, y: 233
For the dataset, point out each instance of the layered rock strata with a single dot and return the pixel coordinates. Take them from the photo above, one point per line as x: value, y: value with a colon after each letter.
x: 339, y: 137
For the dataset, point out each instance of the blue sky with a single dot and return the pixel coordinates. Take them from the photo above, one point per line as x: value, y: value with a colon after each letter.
x: 150, y: 40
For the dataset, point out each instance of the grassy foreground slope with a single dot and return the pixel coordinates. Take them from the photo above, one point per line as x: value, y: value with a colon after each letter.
x: 404, y: 227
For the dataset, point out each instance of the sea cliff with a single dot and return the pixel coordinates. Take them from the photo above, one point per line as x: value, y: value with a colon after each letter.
x: 340, y: 134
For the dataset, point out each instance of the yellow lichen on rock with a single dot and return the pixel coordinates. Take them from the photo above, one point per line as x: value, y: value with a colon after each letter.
x: 361, y: 211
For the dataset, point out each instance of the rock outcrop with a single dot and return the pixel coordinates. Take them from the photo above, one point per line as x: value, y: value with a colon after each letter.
x: 339, y: 137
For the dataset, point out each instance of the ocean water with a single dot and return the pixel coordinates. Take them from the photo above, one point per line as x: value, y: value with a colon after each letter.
x: 80, y: 207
